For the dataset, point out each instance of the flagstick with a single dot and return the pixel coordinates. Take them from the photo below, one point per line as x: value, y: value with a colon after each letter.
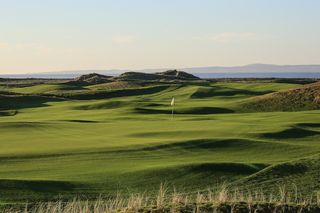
x: 172, y: 111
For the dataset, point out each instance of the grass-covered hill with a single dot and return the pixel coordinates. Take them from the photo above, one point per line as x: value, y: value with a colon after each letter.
x: 303, y: 98
x: 91, y: 79
x: 166, y: 75
x: 60, y: 139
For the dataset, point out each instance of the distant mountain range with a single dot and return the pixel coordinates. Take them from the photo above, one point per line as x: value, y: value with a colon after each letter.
x: 251, y: 70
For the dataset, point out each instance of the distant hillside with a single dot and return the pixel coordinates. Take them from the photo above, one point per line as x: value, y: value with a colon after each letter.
x: 167, y: 75
x: 91, y: 79
x: 127, y: 79
x: 257, y: 68
x: 178, y: 74
x: 303, y: 98
x: 95, y: 78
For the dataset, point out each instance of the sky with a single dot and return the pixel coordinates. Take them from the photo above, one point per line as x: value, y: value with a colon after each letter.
x: 56, y: 35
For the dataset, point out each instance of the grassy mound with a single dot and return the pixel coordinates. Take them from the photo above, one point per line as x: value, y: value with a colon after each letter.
x: 303, y: 98
x: 167, y: 75
x: 178, y: 75
x: 137, y: 76
x: 177, y: 175
x: 90, y: 79
x: 299, y: 175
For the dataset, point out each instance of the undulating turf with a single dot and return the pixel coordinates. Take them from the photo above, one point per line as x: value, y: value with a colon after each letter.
x: 61, y: 140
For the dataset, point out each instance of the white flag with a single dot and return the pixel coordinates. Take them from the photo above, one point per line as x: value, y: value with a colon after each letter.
x: 172, y: 102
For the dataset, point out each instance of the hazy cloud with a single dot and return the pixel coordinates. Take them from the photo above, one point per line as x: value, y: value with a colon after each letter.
x: 228, y: 37
x: 3, y: 45
x: 124, y: 39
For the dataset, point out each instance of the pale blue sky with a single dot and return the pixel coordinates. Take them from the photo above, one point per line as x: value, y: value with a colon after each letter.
x: 50, y: 35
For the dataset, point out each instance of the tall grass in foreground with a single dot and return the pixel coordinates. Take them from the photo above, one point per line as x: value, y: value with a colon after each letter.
x: 217, y: 200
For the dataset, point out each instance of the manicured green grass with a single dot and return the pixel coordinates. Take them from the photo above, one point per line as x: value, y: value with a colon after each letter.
x: 109, y: 141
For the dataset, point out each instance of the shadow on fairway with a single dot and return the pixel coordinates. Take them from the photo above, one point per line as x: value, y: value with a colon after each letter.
x: 308, y: 125
x: 36, y: 185
x: 238, y: 168
x: 194, y: 110
x: 115, y: 105
x: 168, y: 134
x: 24, y: 101
x: 206, y: 92
x: 81, y: 121
x: 104, y: 105
x: 116, y: 93
x: 8, y: 113
x: 290, y: 133
x: 206, y: 144
x: 18, y: 125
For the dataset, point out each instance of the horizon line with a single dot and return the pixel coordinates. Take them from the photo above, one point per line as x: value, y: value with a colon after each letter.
x: 160, y: 68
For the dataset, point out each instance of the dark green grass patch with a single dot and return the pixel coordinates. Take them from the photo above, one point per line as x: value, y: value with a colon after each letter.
x: 291, y: 133
x: 207, y: 92
x: 308, y: 125
x: 35, y: 185
x: 8, y: 102
x: 207, y: 144
x: 115, y: 93
x: 194, y: 110
x: 8, y: 112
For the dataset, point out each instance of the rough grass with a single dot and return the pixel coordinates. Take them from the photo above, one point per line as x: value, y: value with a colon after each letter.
x: 298, y: 99
x: 220, y: 199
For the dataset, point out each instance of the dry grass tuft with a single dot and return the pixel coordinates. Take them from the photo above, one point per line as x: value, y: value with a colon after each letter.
x: 220, y: 199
